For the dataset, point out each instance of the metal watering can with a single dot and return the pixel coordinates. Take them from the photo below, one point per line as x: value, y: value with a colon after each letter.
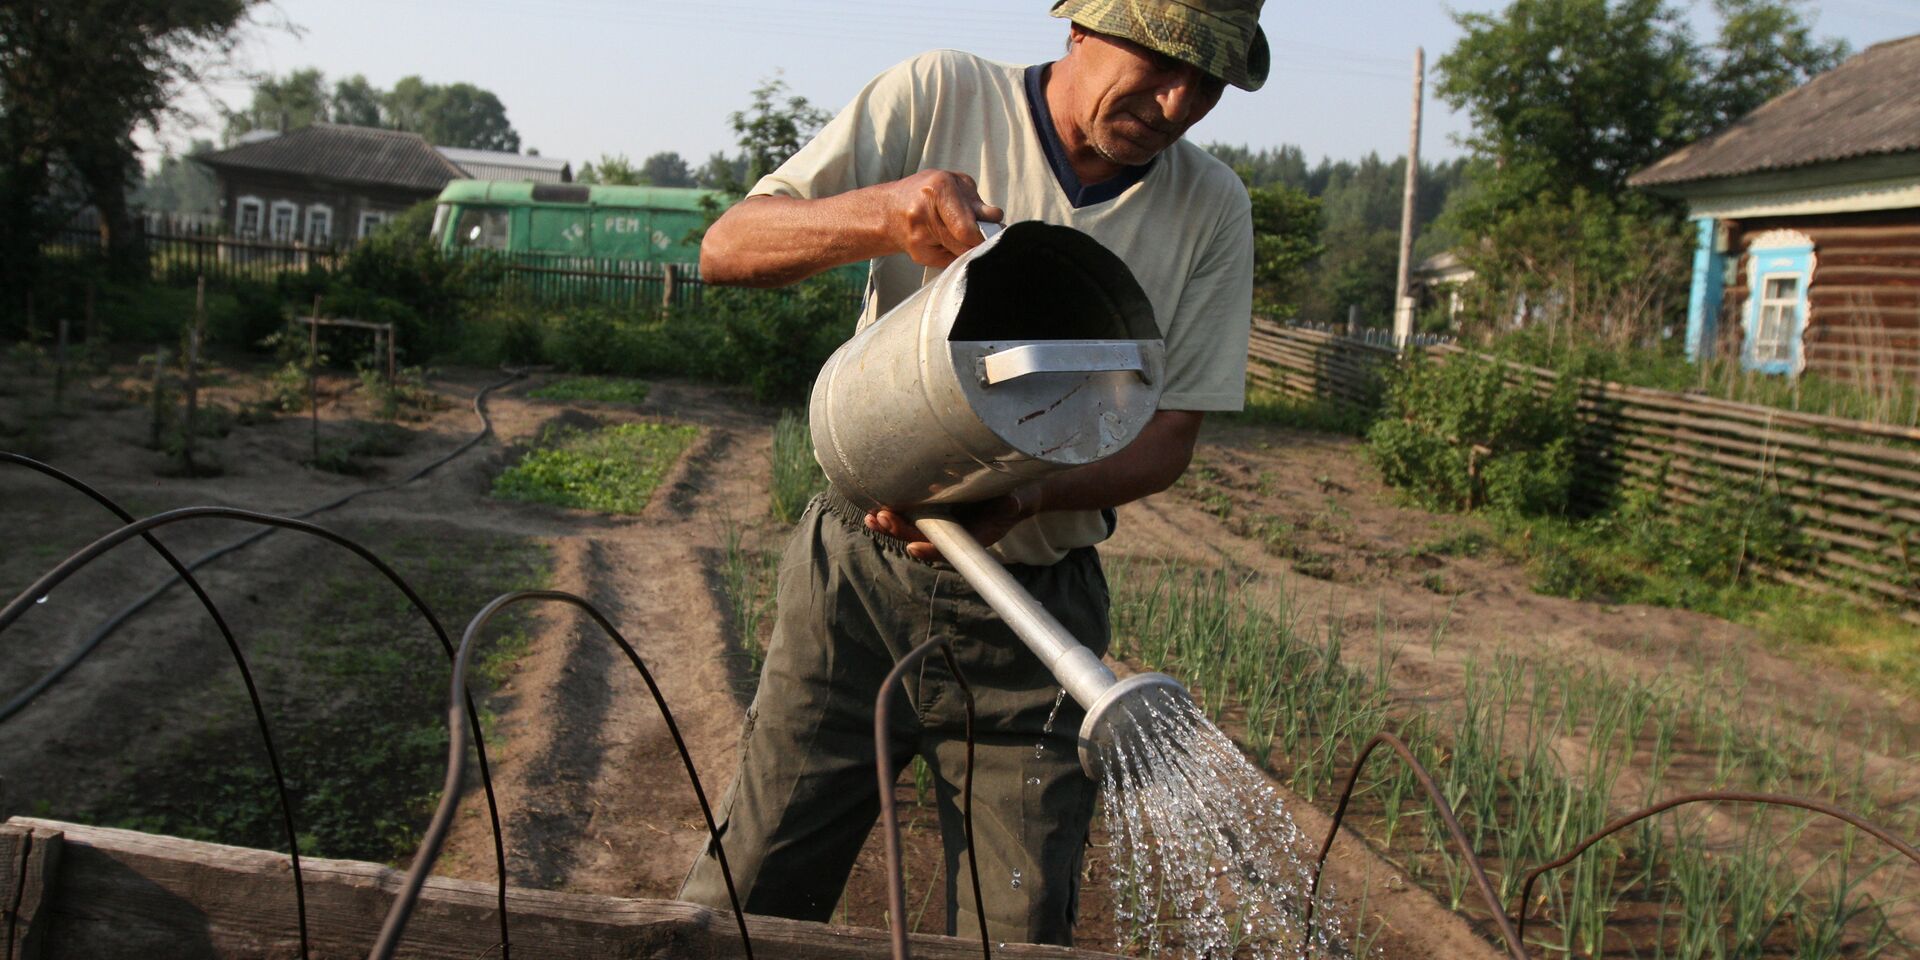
x: 1034, y: 352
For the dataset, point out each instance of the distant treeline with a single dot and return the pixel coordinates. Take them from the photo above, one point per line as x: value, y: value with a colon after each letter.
x: 1359, y: 221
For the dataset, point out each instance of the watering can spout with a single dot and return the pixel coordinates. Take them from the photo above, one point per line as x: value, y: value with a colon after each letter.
x: 1117, y: 709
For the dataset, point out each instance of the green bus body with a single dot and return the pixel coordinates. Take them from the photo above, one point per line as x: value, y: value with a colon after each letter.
x: 574, y: 221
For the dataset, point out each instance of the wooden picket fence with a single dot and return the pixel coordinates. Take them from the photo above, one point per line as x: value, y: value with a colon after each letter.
x: 1854, y: 485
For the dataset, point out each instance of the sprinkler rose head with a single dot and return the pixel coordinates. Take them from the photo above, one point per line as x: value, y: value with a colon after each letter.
x: 1125, y: 716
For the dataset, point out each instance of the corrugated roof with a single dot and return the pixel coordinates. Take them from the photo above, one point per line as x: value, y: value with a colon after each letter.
x: 468, y: 158
x: 345, y: 154
x: 1865, y: 107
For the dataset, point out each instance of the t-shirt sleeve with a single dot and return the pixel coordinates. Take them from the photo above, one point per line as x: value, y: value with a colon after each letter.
x: 1207, y: 338
x: 868, y: 142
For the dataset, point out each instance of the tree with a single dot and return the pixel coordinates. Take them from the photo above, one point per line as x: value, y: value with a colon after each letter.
x: 178, y: 185
x: 774, y: 128
x: 1569, y: 98
x: 1766, y: 48
x: 722, y: 172
x: 666, y: 169
x: 282, y: 104
x: 355, y: 102
x: 463, y: 115
x: 613, y: 168
x: 76, y: 78
x: 1286, y: 237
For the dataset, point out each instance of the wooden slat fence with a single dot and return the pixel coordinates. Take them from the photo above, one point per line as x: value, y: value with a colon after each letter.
x: 1854, y: 485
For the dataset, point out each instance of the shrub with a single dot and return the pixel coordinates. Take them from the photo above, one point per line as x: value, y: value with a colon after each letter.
x: 777, y: 340
x: 1462, y: 434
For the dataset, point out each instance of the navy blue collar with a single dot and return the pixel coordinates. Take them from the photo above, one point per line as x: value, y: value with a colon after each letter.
x: 1078, y: 194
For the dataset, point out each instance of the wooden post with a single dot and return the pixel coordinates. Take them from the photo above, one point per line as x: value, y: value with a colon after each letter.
x: 92, y: 325
x: 391, y: 370
x: 31, y: 858
x: 60, y: 359
x: 158, y: 397
x: 667, y: 278
x: 1402, y: 305
x: 313, y: 376
x: 191, y: 360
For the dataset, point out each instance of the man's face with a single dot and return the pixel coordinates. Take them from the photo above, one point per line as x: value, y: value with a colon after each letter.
x: 1136, y: 101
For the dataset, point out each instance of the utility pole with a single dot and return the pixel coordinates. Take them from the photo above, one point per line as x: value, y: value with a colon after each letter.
x: 1402, y: 303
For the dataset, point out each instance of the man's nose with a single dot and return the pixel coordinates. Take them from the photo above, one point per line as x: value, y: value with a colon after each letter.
x: 1180, y: 95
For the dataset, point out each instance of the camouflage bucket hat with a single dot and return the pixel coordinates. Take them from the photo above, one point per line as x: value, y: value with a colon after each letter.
x: 1222, y: 37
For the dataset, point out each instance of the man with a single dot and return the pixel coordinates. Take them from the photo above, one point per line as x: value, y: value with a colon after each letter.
x: 902, y: 177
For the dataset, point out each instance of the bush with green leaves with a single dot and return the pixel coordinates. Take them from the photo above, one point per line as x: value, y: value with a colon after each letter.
x: 1466, y: 433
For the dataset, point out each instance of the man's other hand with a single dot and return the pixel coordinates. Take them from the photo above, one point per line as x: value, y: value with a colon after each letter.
x: 988, y: 521
x: 935, y: 216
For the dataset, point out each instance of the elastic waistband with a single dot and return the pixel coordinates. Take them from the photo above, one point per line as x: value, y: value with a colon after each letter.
x: 854, y: 517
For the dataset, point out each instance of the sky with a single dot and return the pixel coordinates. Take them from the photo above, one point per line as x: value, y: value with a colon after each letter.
x: 583, y: 78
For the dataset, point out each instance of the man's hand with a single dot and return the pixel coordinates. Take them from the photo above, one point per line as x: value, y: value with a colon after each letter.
x: 935, y: 216
x: 988, y: 521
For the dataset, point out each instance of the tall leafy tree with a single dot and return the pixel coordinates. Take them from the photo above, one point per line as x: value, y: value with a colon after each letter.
x: 1569, y: 98
x: 463, y: 115
x: 1286, y: 238
x: 613, y: 168
x: 355, y: 102
x: 775, y: 127
x: 178, y: 185
x: 281, y: 104
x: 76, y: 78
x: 666, y: 169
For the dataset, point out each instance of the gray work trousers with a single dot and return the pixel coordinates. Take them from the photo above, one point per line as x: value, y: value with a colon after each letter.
x: 851, y: 603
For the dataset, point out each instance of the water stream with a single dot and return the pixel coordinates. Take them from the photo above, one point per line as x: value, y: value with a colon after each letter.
x: 1207, y: 862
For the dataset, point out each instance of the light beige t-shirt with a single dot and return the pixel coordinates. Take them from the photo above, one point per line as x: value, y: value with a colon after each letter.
x: 1185, y: 229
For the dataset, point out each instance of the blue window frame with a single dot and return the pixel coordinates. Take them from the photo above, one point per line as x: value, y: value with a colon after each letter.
x: 1776, y: 314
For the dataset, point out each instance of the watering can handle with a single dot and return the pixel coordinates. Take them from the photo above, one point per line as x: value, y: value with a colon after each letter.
x: 1063, y: 357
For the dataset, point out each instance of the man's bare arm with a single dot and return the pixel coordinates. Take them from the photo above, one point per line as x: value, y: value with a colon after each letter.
x: 773, y: 241
x: 1148, y: 465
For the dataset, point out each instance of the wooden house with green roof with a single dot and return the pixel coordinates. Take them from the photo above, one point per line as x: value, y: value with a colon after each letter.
x: 1807, y: 213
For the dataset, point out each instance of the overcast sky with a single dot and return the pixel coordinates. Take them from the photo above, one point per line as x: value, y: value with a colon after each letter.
x: 581, y: 78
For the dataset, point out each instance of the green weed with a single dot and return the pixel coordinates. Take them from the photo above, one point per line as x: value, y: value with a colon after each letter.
x: 613, y: 469
x: 796, y: 475
x: 594, y: 389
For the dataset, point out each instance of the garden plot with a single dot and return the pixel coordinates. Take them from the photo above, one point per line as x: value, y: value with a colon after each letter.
x: 1427, y: 618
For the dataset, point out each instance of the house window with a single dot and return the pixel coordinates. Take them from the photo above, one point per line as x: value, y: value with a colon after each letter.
x: 370, y: 220
x: 252, y: 212
x: 285, y: 218
x: 1780, y: 269
x: 1779, y: 319
x: 319, y: 225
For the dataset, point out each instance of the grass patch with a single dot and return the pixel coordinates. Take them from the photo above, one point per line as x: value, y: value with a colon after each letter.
x: 613, y: 469
x: 796, y: 475
x: 355, y: 684
x: 594, y: 389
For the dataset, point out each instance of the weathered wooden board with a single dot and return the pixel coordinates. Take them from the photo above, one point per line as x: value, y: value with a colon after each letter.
x: 120, y: 894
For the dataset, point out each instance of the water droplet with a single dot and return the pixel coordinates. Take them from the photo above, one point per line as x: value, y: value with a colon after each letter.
x: 1016, y: 879
x: 1039, y: 749
x: 43, y: 599
x: 1058, y: 698
x: 1033, y: 781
